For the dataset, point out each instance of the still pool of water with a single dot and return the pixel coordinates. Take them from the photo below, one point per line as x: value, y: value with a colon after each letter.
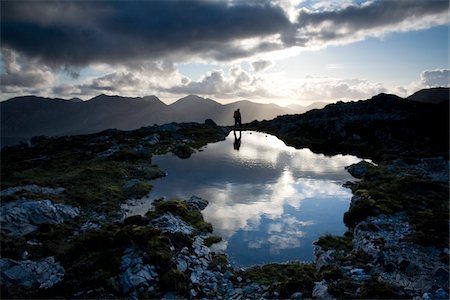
x: 268, y: 201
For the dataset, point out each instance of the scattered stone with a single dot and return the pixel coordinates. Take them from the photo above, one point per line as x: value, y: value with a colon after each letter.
x: 44, y: 273
x: 136, y: 277
x: 24, y: 216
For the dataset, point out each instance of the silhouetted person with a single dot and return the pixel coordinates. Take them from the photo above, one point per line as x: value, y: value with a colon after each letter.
x: 237, y: 119
x: 237, y: 141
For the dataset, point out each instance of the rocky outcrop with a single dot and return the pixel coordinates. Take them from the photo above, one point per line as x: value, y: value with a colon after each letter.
x: 415, y: 269
x: 172, y: 224
x: 197, y: 202
x: 136, y: 276
x: 24, y: 216
x: 42, y: 274
x: 31, y: 188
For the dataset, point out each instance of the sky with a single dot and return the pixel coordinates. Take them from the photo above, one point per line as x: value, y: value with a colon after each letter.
x: 280, y: 51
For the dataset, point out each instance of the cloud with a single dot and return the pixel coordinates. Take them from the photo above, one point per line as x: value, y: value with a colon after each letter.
x: 79, y: 33
x: 238, y: 84
x: 435, y: 78
x: 334, y: 89
x: 72, y: 33
x: 261, y: 65
x: 372, y: 19
x: 23, y: 74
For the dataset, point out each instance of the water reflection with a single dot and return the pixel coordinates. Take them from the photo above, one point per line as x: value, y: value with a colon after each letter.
x: 267, y: 200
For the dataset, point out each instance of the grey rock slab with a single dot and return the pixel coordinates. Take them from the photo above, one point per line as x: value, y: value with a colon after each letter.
x: 45, y: 273
x: 24, y: 216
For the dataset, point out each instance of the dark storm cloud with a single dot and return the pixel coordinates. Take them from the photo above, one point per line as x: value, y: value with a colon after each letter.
x: 84, y: 32
x: 333, y: 25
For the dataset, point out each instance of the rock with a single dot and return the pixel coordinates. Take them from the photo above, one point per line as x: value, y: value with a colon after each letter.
x: 109, y: 152
x: 172, y: 224
x: 440, y: 276
x: 427, y: 296
x: 441, y: 294
x: 44, y: 273
x: 152, y: 139
x: 182, y: 265
x: 31, y: 188
x: 324, y: 258
x: 297, y: 295
x: 357, y: 271
x: 197, y: 202
x: 320, y: 290
x: 183, y: 151
x: 135, y: 275
x: 89, y: 226
x: 195, y: 276
x: 24, y: 216
x: 360, y: 169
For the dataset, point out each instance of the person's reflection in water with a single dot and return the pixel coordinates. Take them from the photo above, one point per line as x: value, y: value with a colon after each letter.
x: 237, y: 141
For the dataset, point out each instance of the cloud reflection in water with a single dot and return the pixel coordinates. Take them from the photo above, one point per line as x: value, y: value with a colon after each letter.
x: 267, y: 200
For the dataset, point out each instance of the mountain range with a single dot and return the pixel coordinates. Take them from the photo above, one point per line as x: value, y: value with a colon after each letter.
x: 28, y: 116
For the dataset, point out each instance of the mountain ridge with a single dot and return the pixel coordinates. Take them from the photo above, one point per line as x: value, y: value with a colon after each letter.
x: 27, y: 116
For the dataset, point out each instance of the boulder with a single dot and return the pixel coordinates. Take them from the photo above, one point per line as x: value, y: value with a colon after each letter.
x: 197, y: 202
x: 360, y: 169
x: 172, y: 224
x: 24, y: 216
x: 44, y: 273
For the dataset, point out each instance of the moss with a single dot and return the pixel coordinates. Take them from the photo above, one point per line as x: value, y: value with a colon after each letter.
x: 138, y: 190
x: 288, y: 278
x: 360, y: 259
x: 210, y: 240
x: 183, y: 210
x: 219, y: 259
x: 159, y: 253
x: 430, y: 228
x: 174, y: 280
x: 331, y: 242
x: 331, y: 273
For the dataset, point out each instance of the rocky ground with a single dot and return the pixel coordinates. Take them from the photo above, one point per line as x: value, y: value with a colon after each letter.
x: 63, y: 234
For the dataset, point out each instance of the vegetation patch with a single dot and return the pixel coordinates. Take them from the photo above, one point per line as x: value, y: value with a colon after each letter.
x: 210, y: 240
x: 287, y: 278
x: 333, y: 242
